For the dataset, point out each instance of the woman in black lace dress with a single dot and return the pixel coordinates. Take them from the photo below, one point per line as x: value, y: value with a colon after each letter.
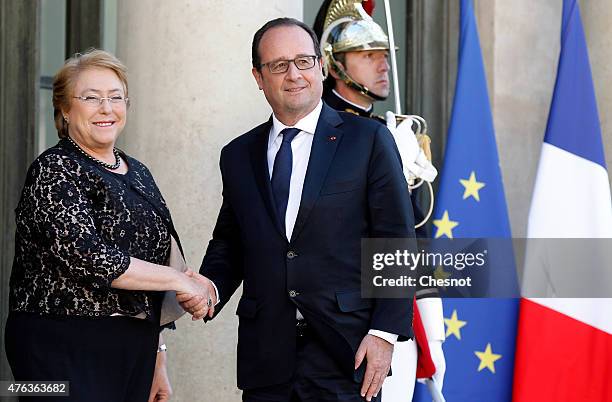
x: 93, y: 238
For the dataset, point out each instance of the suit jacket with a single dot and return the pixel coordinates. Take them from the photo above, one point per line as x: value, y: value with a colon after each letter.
x: 340, y: 104
x: 354, y: 188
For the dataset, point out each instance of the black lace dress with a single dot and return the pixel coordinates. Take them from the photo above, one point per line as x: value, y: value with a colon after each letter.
x: 78, y: 224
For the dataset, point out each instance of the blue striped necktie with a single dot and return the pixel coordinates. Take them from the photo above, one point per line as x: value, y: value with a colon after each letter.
x: 281, y: 174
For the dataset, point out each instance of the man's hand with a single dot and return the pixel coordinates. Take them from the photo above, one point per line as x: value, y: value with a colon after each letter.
x: 161, y: 390
x: 378, y: 354
x: 200, y: 300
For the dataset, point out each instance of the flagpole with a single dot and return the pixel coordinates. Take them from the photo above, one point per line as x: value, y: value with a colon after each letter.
x: 435, y: 392
x: 396, y: 93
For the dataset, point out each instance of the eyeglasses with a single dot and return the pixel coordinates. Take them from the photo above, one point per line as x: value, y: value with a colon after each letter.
x: 282, y: 66
x: 96, y: 101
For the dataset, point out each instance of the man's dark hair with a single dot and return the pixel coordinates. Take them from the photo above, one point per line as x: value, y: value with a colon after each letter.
x: 278, y: 22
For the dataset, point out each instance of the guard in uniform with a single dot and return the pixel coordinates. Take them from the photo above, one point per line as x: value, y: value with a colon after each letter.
x: 356, y: 50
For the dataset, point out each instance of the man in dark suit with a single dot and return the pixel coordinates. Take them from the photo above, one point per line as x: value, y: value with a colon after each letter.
x: 299, y: 193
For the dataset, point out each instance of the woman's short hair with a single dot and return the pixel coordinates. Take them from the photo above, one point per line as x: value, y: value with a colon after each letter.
x: 65, y: 79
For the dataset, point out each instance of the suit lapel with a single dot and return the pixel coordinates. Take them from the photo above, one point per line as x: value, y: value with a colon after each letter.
x: 259, y: 162
x: 324, y: 144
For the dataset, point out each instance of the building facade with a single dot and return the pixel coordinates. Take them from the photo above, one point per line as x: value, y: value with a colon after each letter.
x: 192, y: 92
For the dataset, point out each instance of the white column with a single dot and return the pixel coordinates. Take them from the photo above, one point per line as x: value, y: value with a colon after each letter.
x: 520, y: 42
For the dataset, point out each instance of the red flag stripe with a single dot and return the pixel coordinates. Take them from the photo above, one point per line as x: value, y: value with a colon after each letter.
x: 560, y: 359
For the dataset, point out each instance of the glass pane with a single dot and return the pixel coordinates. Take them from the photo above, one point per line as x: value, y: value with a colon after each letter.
x: 109, y: 28
x: 52, y: 51
x: 52, y: 36
x: 47, y: 134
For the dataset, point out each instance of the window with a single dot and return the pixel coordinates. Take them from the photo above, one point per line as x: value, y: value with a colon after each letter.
x: 59, y: 19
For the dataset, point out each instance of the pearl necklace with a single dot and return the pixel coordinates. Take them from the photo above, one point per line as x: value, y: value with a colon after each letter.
x: 114, y: 166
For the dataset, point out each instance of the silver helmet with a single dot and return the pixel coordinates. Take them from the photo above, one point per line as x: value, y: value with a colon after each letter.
x: 348, y: 28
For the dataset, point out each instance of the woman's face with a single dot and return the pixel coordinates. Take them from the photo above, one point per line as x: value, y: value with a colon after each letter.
x: 90, y: 123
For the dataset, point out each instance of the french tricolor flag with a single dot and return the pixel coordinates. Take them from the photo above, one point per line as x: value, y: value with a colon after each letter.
x: 564, y: 346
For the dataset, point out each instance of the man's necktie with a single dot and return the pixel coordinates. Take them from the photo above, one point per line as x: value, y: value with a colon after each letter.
x: 281, y: 174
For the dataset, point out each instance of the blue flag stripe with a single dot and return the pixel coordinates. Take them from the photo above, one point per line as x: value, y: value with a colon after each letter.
x: 574, y: 126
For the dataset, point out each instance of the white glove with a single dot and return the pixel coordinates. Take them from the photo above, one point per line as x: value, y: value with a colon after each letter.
x: 433, y: 321
x: 414, y: 161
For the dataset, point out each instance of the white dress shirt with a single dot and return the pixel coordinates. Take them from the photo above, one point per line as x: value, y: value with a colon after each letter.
x: 300, y: 149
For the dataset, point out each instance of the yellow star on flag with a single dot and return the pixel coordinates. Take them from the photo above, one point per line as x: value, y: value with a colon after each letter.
x: 454, y: 325
x: 445, y: 226
x: 487, y: 359
x: 471, y: 187
x: 440, y: 273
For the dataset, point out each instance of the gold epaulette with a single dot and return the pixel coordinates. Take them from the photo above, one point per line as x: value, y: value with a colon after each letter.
x: 349, y: 110
x: 425, y: 144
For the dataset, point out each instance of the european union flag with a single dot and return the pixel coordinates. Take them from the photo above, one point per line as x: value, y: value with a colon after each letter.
x: 480, y: 333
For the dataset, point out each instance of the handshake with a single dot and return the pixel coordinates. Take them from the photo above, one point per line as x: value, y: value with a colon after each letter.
x: 197, y: 295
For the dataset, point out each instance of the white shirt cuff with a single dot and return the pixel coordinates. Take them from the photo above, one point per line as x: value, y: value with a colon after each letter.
x: 216, y: 292
x: 391, y: 338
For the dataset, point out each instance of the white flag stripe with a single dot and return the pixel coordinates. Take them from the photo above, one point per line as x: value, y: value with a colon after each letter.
x: 571, y: 197
x: 594, y: 312
x: 572, y: 200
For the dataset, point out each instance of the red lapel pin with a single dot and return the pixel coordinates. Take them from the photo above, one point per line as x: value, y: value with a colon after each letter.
x: 332, y: 138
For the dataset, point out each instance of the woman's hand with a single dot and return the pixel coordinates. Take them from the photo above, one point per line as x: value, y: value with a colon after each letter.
x: 161, y: 390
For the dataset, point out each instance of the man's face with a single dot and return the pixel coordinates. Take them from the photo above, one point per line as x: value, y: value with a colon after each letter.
x: 295, y: 93
x: 370, y: 69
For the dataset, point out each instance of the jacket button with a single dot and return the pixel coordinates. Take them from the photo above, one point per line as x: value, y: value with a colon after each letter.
x: 293, y: 293
x: 291, y: 254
